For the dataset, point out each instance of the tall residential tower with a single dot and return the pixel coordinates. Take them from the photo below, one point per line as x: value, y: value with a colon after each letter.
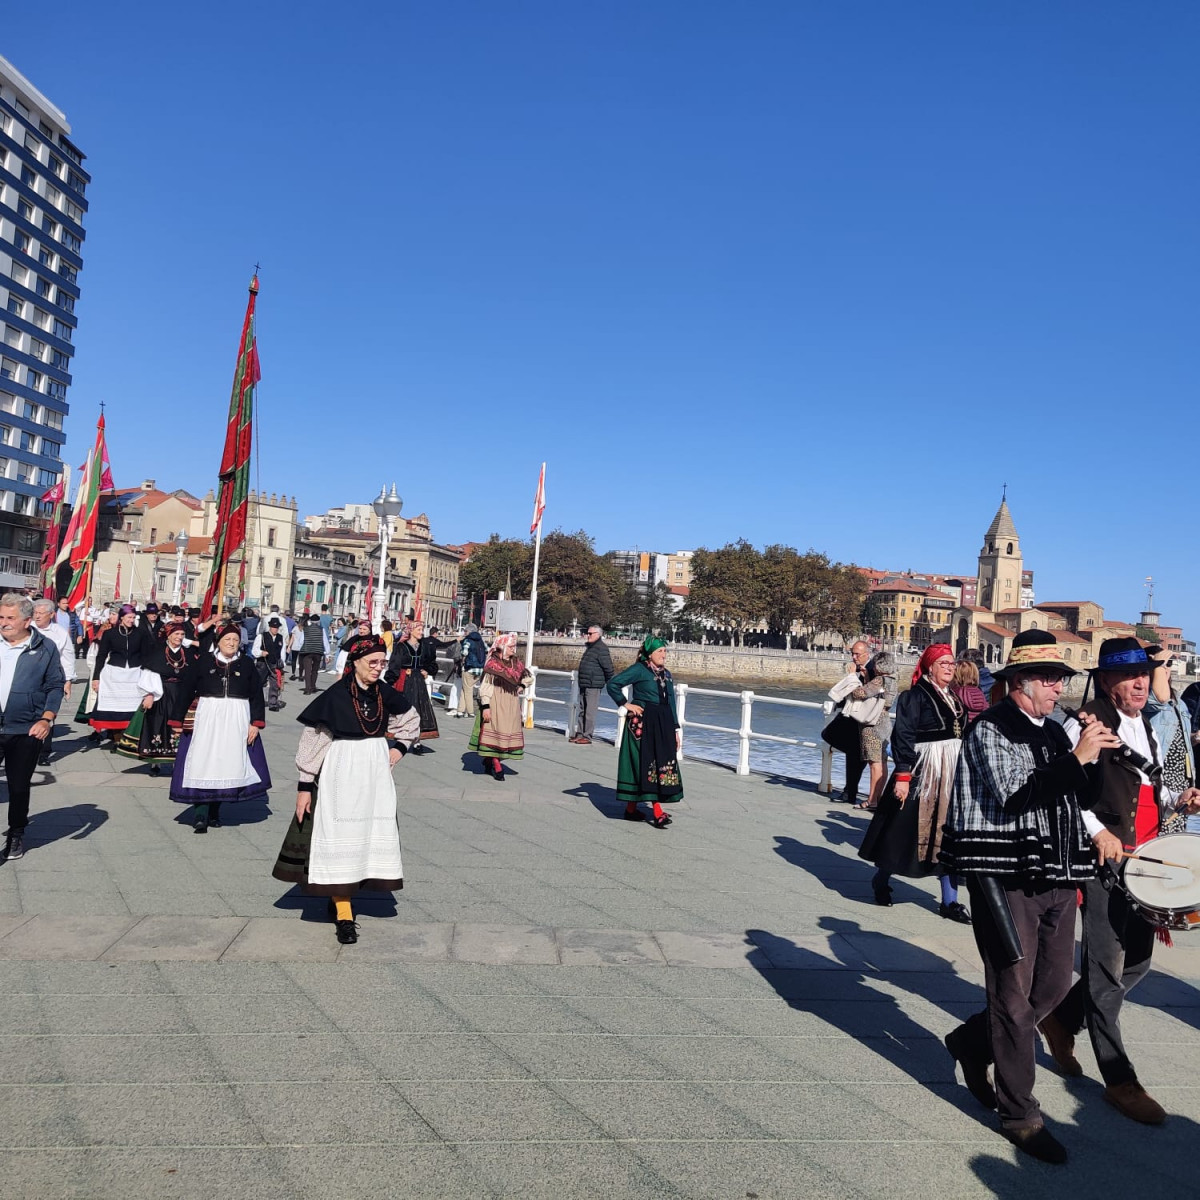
x: 42, y: 203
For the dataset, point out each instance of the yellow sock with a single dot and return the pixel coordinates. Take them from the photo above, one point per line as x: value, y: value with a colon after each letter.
x: 342, y: 908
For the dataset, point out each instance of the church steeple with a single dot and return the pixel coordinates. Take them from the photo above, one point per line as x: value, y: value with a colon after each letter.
x: 999, y: 582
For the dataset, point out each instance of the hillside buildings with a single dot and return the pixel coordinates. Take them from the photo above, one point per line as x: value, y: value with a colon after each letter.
x: 43, y: 185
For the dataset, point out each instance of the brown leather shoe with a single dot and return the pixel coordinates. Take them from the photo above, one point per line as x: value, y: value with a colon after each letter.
x: 1060, y: 1044
x: 1131, y: 1100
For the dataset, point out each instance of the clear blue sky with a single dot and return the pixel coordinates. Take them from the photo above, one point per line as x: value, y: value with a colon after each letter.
x: 818, y: 273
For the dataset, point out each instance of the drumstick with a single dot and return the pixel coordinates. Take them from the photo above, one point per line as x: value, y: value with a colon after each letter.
x: 1161, y: 862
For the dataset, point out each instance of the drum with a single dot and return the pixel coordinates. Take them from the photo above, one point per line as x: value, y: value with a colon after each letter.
x: 1166, y: 896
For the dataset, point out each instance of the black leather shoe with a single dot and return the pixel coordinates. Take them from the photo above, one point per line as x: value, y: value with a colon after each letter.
x: 347, y: 932
x: 214, y: 815
x: 200, y: 825
x: 1040, y: 1143
x: 660, y: 822
x: 14, y: 847
x: 975, y: 1072
x: 155, y: 770
x: 883, y: 896
x: 955, y: 912
x: 635, y: 815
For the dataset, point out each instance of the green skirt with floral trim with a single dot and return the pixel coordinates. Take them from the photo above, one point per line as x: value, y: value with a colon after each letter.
x: 647, y: 762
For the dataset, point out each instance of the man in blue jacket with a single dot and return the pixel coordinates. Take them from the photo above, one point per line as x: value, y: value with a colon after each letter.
x: 474, y: 655
x: 31, y: 692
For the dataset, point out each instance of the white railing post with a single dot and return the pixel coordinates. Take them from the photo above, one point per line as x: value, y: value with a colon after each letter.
x: 681, y: 691
x: 625, y: 691
x: 573, y: 705
x: 530, y: 697
x: 825, y: 787
x: 743, y: 766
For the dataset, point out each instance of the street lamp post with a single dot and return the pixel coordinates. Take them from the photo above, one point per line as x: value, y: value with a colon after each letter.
x: 181, y: 545
x: 387, y: 507
x: 133, y: 549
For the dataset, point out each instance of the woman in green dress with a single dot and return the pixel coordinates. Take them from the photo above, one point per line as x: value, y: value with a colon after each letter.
x: 648, y: 761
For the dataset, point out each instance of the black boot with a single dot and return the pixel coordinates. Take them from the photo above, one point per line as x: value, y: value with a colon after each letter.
x: 200, y: 824
x: 214, y: 815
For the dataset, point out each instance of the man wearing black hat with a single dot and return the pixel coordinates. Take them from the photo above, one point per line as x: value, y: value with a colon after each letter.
x: 1123, y: 801
x: 268, y: 650
x: 1015, y: 830
x: 150, y: 624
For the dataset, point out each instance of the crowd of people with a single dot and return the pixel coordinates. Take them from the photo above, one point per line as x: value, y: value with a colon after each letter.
x: 997, y: 787
x: 1036, y: 808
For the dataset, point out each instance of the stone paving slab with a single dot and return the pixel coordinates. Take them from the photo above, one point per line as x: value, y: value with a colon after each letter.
x: 557, y: 1004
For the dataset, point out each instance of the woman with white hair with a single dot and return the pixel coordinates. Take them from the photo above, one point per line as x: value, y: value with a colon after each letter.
x: 499, y: 731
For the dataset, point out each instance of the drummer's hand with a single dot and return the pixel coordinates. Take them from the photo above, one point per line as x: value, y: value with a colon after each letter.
x: 1096, y: 736
x: 252, y: 736
x: 1108, y: 847
x: 303, y: 805
x: 900, y: 791
x: 147, y: 701
x: 1190, y: 800
x: 394, y: 756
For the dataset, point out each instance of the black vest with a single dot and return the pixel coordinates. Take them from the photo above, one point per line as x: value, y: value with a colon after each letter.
x: 1113, y: 782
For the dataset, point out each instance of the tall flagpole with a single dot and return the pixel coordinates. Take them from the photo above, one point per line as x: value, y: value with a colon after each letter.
x: 539, y: 508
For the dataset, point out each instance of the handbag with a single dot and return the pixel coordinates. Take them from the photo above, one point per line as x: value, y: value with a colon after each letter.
x: 865, y: 712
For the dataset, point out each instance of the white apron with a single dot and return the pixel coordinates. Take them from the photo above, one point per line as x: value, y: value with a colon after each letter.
x: 218, y: 756
x: 354, y: 833
x: 119, y: 691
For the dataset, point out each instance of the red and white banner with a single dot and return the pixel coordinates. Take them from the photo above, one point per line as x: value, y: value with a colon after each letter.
x: 539, y: 501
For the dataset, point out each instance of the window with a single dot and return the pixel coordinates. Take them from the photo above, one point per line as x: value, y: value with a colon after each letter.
x: 44, y: 289
x: 51, y: 449
x: 60, y: 360
x: 53, y: 419
x: 36, y: 348
x: 62, y: 330
x: 16, y: 305
x: 71, y: 241
x: 22, y: 504
x: 56, y: 388
x: 12, y: 337
x: 1067, y: 654
x: 26, y: 441
x: 271, y: 535
x: 412, y: 564
x: 46, y: 257
x: 49, y: 225
x: 66, y: 300
x: 154, y: 535
x: 28, y: 176
x: 41, y: 319
x: 34, y: 379
x: 19, y: 274
x: 46, y: 129
x: 78, y: 183
x: 56, y: 166
x: 25, y: 209
x: 47, y: 479
x: 70, y: 150
x: 67, y: 271
x: 53, y: 194
x: 3, y: 468
x: 278, y: 567
x: 8, y: 369
x: 74, y: 211
x: 22, y: 108
x: 32, y: 144
x: 23, y: 242
x: 3, y: 122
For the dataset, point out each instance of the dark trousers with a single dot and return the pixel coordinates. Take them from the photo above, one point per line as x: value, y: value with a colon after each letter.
x: 274, y: 675
x: 854, y: 769
x: 1117, y: 944
x: 310, y: 664
x: 19, y: 753
x: 1020, y: 995
x: 589, y: 705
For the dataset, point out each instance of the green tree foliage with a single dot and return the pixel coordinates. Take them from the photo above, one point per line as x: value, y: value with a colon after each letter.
x: 493, y: 565
x: 738, y: 588
x: 577, y: 584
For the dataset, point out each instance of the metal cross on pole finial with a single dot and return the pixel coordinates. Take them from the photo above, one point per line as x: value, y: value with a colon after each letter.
x: 1004, y: 494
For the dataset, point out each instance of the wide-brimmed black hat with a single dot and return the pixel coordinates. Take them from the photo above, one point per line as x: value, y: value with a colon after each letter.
x: 1123, y: 654
x: 1035, y: 649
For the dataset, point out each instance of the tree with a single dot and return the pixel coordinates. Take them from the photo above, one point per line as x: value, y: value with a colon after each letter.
x: 575, y: 583
x: 497, y: 565
x: 728, y: 587
x: 658, y: 612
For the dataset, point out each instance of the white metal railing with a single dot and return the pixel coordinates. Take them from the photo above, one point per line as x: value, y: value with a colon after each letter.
x: 745, y: 731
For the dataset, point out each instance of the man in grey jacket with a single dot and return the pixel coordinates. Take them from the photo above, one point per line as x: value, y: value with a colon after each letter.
x: 31, y: 691
x: 595, y: 670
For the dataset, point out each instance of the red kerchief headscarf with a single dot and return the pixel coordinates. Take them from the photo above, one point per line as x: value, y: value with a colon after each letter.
x: 931, y: 655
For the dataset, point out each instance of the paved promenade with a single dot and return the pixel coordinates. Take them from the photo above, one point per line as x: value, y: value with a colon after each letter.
x: 559, y: 1004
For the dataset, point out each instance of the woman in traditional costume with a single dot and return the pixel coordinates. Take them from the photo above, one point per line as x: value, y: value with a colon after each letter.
x: 905, y: 833
x: 405, y: 675
x: 149, y: 736
x: 221, y: 760
x: 648, y: 757
x: 122, y: 653
x: 344, y: 837
x: 499, y: 731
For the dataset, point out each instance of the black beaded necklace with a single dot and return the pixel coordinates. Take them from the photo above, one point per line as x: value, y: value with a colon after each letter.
x: 371, y: 723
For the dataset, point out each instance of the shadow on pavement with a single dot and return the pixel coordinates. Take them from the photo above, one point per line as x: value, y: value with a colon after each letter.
x: 242, y: 812
x: 74, y: 822
x: 850, y: 878
x: 602, y: 797
x: 316, y: 908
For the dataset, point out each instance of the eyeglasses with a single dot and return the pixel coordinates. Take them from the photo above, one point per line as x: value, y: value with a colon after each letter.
x: 1047, y: 679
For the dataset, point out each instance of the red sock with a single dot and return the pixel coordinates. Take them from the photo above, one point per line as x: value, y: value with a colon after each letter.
x: 658, y: 812
x: 631, y: 806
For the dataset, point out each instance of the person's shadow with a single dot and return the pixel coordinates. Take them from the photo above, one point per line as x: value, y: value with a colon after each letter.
x: 316, y: 908
x: 869, y: 1015
x: 233, y: 813
x: 849, y: 877
x: 75, y: 822
x: 602, y: 798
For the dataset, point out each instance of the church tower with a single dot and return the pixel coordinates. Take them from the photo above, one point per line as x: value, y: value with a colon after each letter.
x: 999, y: 582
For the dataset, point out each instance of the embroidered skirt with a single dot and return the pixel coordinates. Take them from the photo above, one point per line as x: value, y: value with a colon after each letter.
x: 647, y: 766
x: 214, y: 763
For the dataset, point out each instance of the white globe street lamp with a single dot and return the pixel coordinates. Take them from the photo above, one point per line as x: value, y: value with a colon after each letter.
x: 387, y: 508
